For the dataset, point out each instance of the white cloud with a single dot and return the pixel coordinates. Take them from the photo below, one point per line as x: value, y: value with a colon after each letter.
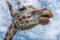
x: 3, y: 29
x: 22, y: 38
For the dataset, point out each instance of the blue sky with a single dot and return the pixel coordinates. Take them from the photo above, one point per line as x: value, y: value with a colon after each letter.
x: 50, y: 31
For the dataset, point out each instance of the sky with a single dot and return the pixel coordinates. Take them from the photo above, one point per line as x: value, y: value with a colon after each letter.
x: 50, y: 31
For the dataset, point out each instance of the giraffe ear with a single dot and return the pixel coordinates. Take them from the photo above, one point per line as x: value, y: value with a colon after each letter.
x: 10, y: 8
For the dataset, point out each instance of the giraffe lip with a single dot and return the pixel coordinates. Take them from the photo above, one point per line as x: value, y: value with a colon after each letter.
x: 43, y: 20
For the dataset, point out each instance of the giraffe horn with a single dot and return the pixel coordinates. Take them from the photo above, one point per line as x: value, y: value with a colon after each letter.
x: 20, y: 5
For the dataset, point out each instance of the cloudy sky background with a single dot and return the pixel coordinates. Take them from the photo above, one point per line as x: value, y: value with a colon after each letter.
x: 50, y: 31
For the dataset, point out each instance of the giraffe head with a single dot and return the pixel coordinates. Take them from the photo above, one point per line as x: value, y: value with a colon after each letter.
x: 28, y: 15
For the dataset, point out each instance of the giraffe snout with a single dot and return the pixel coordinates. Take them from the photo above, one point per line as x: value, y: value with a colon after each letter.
x: 45, y: 15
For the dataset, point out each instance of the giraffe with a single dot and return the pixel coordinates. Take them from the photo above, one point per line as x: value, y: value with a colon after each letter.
x: 25, y: 18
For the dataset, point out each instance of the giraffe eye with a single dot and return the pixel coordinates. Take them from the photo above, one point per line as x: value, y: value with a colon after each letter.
x: 22, y: 9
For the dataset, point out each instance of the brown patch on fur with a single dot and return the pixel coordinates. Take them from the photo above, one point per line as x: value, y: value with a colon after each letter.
x: 23, y: 17
x: 21, y: 20
x: 33, y: 12
x: 26, y: 21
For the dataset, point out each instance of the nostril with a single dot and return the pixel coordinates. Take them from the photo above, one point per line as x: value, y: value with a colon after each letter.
x: 44, y: 9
